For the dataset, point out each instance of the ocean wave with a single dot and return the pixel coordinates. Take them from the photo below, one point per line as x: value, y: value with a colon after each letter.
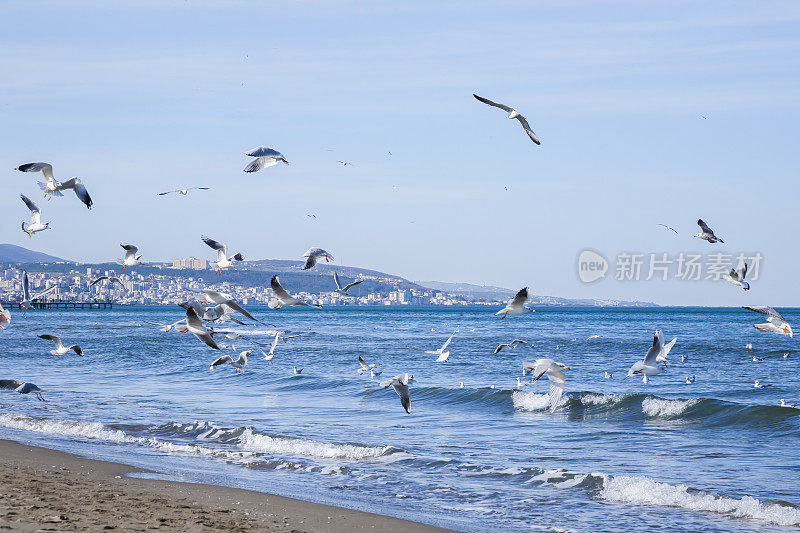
x: 660, y: 408
x: 644, y: 491
x: 261, y: 443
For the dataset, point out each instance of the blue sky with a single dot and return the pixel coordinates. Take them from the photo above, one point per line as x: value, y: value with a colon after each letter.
x: 135, y: 100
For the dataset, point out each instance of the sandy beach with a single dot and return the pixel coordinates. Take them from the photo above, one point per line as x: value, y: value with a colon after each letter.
x: 48, y: 490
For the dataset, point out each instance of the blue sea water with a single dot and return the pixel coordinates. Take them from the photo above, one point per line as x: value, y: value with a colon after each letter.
x: 617, y: 454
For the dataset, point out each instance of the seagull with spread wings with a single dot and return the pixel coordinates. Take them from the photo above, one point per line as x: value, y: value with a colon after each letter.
x: 736, y: 276
x: 313, y: 255
x: 264, y: 158
x: 511, y: 345
x: 516, y: 305
x: 441, y: 354
x: 343, y: 290
x: 27, y: 388
x: 282, y: 298
x: 223, y: 261
x: 221, y: 299
x: 649, y: 365
x: 130, y: 259
x: 35, y: 224
x: 196, y: 327
x: 669, y: 228
x: 365, y: 367
x: 553, y: 369
x: 185, y: 191
x: 111, y: 280
x: 400, y: 385
x: 775, y: 322
x: 60, y: 348
x: 707, y: 234
x: 512, y: 113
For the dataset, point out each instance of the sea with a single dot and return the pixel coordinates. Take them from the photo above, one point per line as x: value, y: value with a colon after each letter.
x: 617, y: 454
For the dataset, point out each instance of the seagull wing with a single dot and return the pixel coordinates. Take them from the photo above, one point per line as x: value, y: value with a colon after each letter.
x: 405, y: 398
x: 363, y: 363
x: 447, y: 342
x: 26, y: 287
x: 32, y: 206
x: 238, y: 308
x: 520, y: 298
x: 221, y: 361
x: 351, y: 285
x: 45, y: 168
x: 98, y: 280
x: 198, y: 329
x: 56, y: 340
x: 279, y: 291
x: 655, y: 349
x: 493, y: 104
x: 130, y: 250
x: 528, y: 130
x: 263, y: 151
x: 704, y: 226
x: 39, y: 295
x: 337, y: 282
x: 80, y: 190
x: 260, y: 163
x: 557, y: 379
x: 764, y: 310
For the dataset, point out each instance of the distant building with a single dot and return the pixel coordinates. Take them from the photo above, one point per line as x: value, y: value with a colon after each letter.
x: 192, y: 262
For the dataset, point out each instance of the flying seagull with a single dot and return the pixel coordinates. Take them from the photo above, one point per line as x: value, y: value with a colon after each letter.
x: 707, y: 234
x: 179, y: 326
x: 662, y: 356
x: 27, y: 299
x: 80, y: 191
x: 649, y: 366
x: 313, y: 255
x: 223, y: 261
x: 440, y: 352
x: 516, y: 305
x: 184, y: 191
x: 35, y: 224
x: 130, y: 259
x: 775, y: 322
x: 553, y: 369
x: 198, y: 329
x: 371, y: 368
x: 282, y: 298
x: 400, y: 385
x: 512, y: 345
x: 343, y: 290
x: 60, y: 348
x: 111, y: 279
x: 220, y: 299
x: 264, y: 157
x: 512, y: 113
x: 345, y: 163
x: 669, y: 228
x: 737, y: 277
x: 238, y: 364
x: 50, y: 185
x: 27, y: 388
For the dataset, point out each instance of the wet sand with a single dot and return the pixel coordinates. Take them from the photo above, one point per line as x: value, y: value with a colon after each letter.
x: 48, y: 490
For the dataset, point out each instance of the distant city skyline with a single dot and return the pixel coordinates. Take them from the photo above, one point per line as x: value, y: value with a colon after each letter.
x: 649, y: 113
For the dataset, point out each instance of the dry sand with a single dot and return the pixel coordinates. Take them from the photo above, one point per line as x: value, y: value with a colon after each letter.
x: 47, y: 490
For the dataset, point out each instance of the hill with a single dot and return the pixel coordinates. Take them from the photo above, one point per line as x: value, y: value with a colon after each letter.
x: 11, y: 253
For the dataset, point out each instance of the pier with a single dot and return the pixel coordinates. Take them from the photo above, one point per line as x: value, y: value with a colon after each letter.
x: 59, y: 304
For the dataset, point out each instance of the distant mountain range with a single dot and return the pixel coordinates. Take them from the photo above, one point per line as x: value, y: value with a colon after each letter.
x: 11, y: 253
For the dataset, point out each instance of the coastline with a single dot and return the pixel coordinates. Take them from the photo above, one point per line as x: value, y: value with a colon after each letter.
x: 50, y: 489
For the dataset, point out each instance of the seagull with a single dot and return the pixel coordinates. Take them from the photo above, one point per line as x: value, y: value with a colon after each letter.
x: 592, y: 337
x: 238, y: 364
x: 264, y: 157
x: 220, y: 299
x: 219, y: 313
x: 511, y: 345
x: 607, y: 375
x: 512, y: 113
x: 297, y: 371
x: 748, y: 346
x: 184, y: 191
x: 758, y: 385
x: 690, y: 380
x: 35, y: 224
x: 669, y: 228
x: 364, y: 367
x: 282, y: 298
x: 440, y: 352
x: 223, y: 261
x: 80, y: 190
x: 684, y: 358
x: 707, y: 234
x: 5, y: 316
x: 516, y: 305
x: 343, y: 290
x: 662, y: 357
x: 60, y: 348
x: 313, y: 255
x: 737, y: 277
x: 27, y: 388
x: 757, y: 359
x: 400, y: 385
x: 50, y: 185
x: 520, y: 384
x: 345, y: 163
x: 27, y: 299
x: 130, y: 259
x: 179, y: 326
x: 784, y: 404
x: 196, y: 327
x: 553, y: 369
x: 649, y: 366
x: 785, y: 356
x: 112, y: 280
x: 775, y: 322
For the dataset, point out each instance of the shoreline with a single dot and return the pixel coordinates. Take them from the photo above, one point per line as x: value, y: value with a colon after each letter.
x: 50, y: 489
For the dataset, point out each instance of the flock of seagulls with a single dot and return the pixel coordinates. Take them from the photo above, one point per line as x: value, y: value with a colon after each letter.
x: 213, y: 308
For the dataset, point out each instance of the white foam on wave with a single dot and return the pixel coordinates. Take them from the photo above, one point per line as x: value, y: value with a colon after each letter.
x: 645, y: 491
x: 660, y: 408
x: 600, y: 399
x: 309, y: 448
x: 532, y: 401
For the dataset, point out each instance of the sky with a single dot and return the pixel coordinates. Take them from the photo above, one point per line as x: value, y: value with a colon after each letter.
x: 648, y: 112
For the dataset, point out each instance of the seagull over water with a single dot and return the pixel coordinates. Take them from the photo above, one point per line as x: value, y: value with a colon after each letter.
x: 553, y: 369
x: 282, y: 298
x: 221, y: 299
x: 511, y: 345
x: 313, y: 255
x: 707, y: 234
x: 371, y: 368
x: 400, y: 385
x: 60, y: 348
x: 736, y: 276
x: 649, y: 366
x: 35, y: 225
x: 130, y: 259
x: 264, y: 158
x: 238, y: 364
x: 512, y: 113
x: 516, y: 305
x: 343, y: 290
x: 440, y: 352
x: 196, y: 327
x: 223, y: 262
x: 185, y: 191
x: 775, y: 322
x: 28, y: 388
